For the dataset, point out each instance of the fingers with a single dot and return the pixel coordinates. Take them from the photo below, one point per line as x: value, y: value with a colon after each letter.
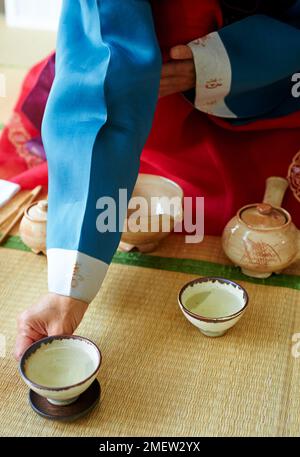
x: 182, y: 68
x: 22, y: 343
x: 27, y: 334
x: 174, y: 85
x: 181, y: 52
x: 170, y: 69
x: 177, y: 77
x: 52, y: 315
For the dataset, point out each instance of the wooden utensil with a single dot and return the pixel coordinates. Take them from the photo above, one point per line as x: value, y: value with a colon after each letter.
x: 20, y: 210
x: 15, y: 209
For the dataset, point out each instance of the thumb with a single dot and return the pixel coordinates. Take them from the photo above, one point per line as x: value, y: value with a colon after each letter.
x: 181, y: 52
x: 61, y: 326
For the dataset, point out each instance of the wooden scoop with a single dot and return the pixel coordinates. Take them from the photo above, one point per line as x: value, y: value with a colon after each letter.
x: 20, y: 211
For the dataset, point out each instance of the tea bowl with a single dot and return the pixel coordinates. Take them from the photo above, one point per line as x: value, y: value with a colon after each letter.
x: 213, y: 304
x: 60, y: 368
x: 157, y: 217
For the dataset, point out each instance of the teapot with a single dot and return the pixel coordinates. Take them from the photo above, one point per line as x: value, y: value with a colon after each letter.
x: 33, y: 226
x: 261, y: 238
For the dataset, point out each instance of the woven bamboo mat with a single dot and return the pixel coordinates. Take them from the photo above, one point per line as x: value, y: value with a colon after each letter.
x: 160, y: 375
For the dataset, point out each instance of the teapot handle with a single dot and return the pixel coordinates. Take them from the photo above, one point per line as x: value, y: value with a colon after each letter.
x: 275, y: 190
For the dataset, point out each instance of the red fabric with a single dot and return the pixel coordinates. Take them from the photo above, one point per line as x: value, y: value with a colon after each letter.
x: 181, y: 21
x: 17, y: 164
x: 207, y: 156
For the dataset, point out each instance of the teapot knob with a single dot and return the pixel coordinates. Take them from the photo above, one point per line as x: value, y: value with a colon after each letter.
x: 264, y: 208
x: 43, y: 205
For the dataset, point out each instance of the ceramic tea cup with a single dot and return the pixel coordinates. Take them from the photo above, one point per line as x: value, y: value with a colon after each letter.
x: 213, y: 304
x: 160, y: 212
x: 60, y: 368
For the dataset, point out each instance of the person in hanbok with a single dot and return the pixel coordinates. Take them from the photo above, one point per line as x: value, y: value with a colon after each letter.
x: 203, y: 92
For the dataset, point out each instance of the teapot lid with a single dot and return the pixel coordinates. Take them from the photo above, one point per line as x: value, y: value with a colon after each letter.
x: 263, y: 216
x: 38, y: 211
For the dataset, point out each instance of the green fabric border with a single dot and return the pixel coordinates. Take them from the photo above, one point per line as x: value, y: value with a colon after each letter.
x: 188, y: 266
x: 203, y: 268
x: 15, y: 242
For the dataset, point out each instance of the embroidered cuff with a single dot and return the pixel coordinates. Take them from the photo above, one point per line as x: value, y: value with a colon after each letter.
x: 74, y: 274
x: 214, y: 75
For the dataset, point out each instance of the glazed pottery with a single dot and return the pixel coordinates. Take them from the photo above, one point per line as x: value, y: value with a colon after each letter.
x: 33, y: 226
x: 157, y: 216
x: 262, y: 238
x: 213, y: 304
x: 60, y: 368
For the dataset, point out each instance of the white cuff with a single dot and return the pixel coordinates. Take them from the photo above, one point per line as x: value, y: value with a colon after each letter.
x: 214, y: 75
x: 7, y: 191
x: 74, y: 274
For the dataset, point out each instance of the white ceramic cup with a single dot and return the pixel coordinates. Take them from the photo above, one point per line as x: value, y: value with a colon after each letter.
x: 219, y: 316
x: 60, y: 368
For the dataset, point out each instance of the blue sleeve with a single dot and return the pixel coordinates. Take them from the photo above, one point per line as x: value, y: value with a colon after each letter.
x: 245, y: 70
x: 97, y: 120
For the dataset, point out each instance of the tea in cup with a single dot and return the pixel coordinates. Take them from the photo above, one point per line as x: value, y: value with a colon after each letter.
x: 60, y: 368
x: 213, y: 304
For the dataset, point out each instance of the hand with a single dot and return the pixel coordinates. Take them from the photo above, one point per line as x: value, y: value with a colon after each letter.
x: 52, y: 315
x: 180, y: 75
